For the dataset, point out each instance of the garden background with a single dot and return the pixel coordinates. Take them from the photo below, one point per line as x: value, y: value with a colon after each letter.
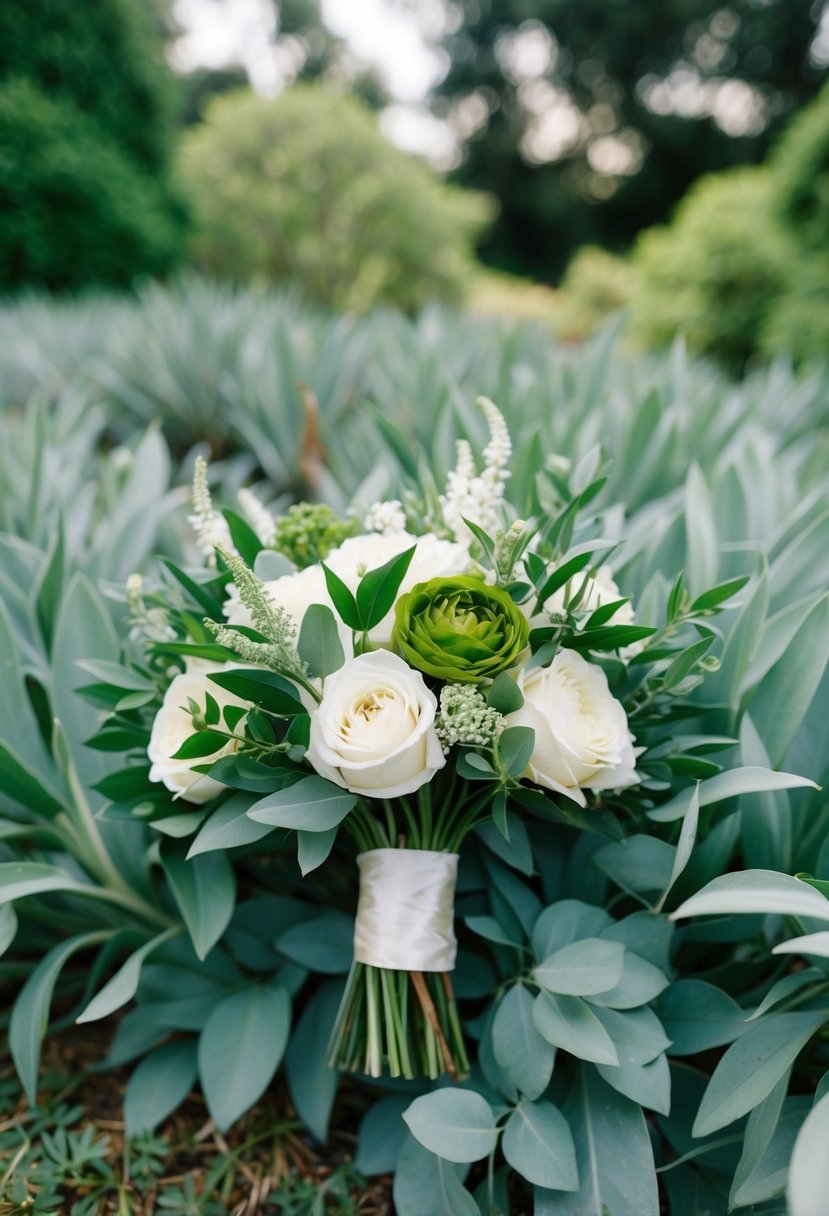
x: 616, y: 227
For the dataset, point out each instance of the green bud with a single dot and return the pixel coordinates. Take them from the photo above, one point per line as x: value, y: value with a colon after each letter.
x: 460, y: 629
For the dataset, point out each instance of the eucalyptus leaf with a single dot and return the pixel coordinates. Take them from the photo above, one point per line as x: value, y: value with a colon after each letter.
x: 456, y: 1124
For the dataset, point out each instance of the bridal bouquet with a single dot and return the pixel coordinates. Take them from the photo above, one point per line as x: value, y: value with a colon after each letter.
x: 434, y: 667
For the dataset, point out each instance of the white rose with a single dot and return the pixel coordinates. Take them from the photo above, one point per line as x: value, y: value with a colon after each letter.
x: 374, y: 730
x: 173, y: 725
x: 432, y: 558
x: 582, y: 739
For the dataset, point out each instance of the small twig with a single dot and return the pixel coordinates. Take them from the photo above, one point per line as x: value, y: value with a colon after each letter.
x: 428, y: 1007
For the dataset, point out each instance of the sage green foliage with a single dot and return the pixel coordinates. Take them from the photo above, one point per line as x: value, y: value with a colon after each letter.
x: 82, y: 867
x: 460, y: 629
x: 85, y: 134
x: 304, y: 188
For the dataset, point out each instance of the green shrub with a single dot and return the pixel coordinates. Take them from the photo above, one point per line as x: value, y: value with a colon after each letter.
x: 596, y: 285
x: 800, y: 171
x: 798, y: 322
x: 305, y: 188
x: 75, y: 209
x: 102, y: 56
x: 715, y: 271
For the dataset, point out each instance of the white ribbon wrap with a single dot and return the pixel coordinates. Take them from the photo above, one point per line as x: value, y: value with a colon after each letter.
x: 406, y: 910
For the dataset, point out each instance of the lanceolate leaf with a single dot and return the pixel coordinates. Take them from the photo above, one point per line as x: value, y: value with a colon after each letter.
x: 30, y: 1014
x: 158, y: 1085
x: 240, y: 1048
x: 313, y: 805
x: 204, y: 889
x: 752, y: 1067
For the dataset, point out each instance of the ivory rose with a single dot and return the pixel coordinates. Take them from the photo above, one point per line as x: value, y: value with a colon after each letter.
x: 173, y: 725
x: 582, y: 739
x: 374, y: 731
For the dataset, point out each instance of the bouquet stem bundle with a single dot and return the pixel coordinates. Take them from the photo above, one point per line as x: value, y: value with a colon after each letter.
x: 404, y: 1023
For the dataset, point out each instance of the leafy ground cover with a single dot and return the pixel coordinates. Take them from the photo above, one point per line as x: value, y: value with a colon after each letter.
x: 106, y: 403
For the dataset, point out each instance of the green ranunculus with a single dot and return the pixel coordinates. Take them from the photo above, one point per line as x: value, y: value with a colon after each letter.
x: 459, y: 629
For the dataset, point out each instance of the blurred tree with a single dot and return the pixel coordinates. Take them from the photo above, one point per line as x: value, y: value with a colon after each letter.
x: 304, y: 188
x: 588, y: 119
x: 85, y: 135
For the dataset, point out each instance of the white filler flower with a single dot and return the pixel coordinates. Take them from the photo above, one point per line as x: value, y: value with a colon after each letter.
x: 374, y: 731
x: 173, y: 725
x: 293, y: 592
x: 582, y: 738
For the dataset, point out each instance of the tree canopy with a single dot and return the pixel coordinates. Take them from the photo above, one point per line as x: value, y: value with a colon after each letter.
x: 588, y: 119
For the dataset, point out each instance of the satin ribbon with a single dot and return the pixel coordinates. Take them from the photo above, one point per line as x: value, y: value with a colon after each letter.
x: 406, y: 910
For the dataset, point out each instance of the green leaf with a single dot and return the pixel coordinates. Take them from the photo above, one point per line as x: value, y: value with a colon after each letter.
x: 613, y: 1154
x: 507, y: 838
x: 263, y: 688
x: 562, y: 575
x: 718, y: 595
x: 47, y: 590
x: 313, y: 848
x: 768, y: 1143
x: 21, y: 783
x: 524, y: 1056
x: 312, y: 805
x: 809, y: 1170
x: 637, y: 1034
x: 538, y: 1144
x: 786, y: 691
x: 312, y: 1084
x: 204, y: 889
x: 684, y: 663
x: 752, y: 1066
x: 639, y: 863
x: 698, y: 1016
x: 456, y: 1124
x: 816, y: 944
x: 199, y: 592
x: 19, y: 879
x: 244, y: 538
x: 685, y: 845
x: 790, y: 984
x: 319, y: 644
x: 378, y: 588
x: 514, y: 748
x: 202, y: 743
x: 568, y: 1022
x: 607, y: 637
x: 585, y: 967
x: 648, y: 1084
x: 240, y: 1048
x: 381, y: 1136
x: 640, y: 983
x: 567, y: 920
x: 700, y: 531
x: 159, y: 1085
x: 228, y: 827
x: 504, y: 694
x: 426, y: 1185
x: 30, y: 1015
x: 342, y: 599
x: 123, y: 986
x: 731, y: 784
x: 489, y: 928
x: 763, y: 891
x: 325, y: 943
x: 8, y: 926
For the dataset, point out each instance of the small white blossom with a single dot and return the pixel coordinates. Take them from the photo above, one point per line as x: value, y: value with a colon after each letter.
x: 258, y: 516
x: 151, y: 624
x: 387, y: 518
x: 474, y: 496
x: 210, y: 527
x: 465, y: 717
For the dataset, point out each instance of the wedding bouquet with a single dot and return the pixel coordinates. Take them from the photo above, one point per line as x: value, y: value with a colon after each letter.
x: 437, y: 667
